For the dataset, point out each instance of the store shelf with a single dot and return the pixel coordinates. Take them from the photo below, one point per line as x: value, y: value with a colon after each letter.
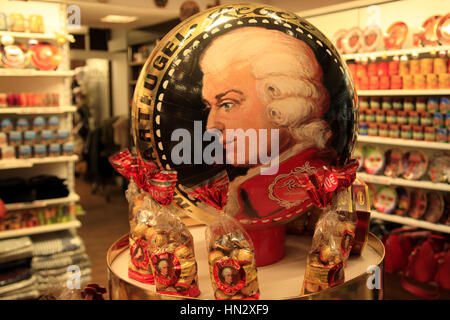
x: 428, y: 185
x: 28, y: 163
x: 37, y: 110
x: 40, y: 229
x: 405, y: 143
x: 33, y: 73
x: 391, y: 53
x: 137, y: 63
x: 41, y: 203
x: 424, y: 92
x: 29, y: 35
x: 411, y: 222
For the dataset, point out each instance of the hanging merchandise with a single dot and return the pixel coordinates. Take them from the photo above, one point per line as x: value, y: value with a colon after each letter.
x: 396, y: 35
x: 45, y: 56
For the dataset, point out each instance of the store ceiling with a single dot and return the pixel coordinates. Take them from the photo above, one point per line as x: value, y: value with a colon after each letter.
x: 148, y: 13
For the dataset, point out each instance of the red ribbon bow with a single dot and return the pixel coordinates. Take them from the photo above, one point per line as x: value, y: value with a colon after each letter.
x: 323, y: 183
x: 148, y: 177
x: 213, y: 191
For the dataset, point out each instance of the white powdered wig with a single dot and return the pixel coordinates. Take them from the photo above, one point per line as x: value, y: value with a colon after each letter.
x: 288, y: 77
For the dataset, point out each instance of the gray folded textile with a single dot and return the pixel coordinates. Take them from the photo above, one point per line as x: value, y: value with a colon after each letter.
x: 60, y: 255
x: 48, y: 286
x: 59, y: 271
x: 55, y: 242
x: 18, y: 285
x: 15, y: 249
x: 59, y: 262
x: 28, y: 292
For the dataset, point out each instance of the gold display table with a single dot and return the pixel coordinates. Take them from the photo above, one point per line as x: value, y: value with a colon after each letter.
x: 279, y: 281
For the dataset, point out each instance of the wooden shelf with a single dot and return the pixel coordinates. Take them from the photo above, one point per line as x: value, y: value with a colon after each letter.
x: 411, y: 222
x: 391, y: 53
x: 37, y: 110
x: 40, y: 229
x: 28, y: 163
x: 428, y: 185
x: 29, y: 35
x: 424, y: 92
x: 41, y: 203
x: 405, y: 142
x: 34, y: 73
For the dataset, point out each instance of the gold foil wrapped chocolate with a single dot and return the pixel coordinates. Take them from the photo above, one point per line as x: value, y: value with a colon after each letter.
x: 231, y: 260
x: 331, y: 246
x: 172, y: 257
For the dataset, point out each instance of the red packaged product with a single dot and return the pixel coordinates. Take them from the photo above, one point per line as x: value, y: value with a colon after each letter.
x: 374, y: 83
x: 396, y: 82
x: 408, y: 82
x: 384, y: 83
x: 393, y: 67
x: 372, y: 69
x: 364, y: 83
x: 361, y: 70
x: 382, y: 69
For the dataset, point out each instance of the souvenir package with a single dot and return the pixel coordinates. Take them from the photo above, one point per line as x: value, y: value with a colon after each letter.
x: 36, y: 23
x: 161, y: 246
x: 53, y: 123
x: 68, y: 148
x: 171, y: 253
x: 6, y: 125
x: 418, y: 204
x: 403, y: 201
x: 22, y: 124
x: 15, y: 138
x: 54, y: 150
x: 46, y: 136
x: 374, y: 160
x: 16, y: 22
x: 436, y: 207
x: 62, y: 136
x: 394, y: 164
x: 29, y: 137
x: 14, y: 56
x: 361, y: 208
x: 415, y: 164
x: 8, y: 153
x: 385, y: 199
x: 439, y: 169
x: 24, y: 152
x: 3, y: 139
x: 231, y: 260
x: 40, y: 151
x: 38, y: 123
x: 331, y: 245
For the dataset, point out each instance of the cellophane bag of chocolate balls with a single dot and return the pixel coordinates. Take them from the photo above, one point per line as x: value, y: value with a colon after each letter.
x: 331, y: 245
x: 171, y: 253
x: 231, y: 258
x: 140, y: 218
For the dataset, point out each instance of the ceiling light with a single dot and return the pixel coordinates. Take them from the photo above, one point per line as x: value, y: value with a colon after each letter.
x: 118, y: 19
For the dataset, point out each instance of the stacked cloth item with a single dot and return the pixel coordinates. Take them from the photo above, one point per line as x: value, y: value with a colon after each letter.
x: 16, y: 277
x: 55, y: 257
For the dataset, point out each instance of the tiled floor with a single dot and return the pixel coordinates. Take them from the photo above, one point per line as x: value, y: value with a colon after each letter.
x: 105, y: 222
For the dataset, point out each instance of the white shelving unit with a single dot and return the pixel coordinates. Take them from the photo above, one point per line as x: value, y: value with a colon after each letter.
x: 37, y: 110
x: 31, y: 80
x: 404, y: 143
x: 42, y: 203
x: 428, y: 185
x: 411, y: 222
x: 40, y: 229
x: 424, y: 92
x: 392, y: 53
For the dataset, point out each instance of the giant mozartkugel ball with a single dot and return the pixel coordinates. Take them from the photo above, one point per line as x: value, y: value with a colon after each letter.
x: 252, y: 53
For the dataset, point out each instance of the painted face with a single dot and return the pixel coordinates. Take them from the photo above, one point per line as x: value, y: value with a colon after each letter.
x: 373, y: 162
x: 228, y: 276
x: 232, y: 99
x: 386, y: 200
x: 164, y: 268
